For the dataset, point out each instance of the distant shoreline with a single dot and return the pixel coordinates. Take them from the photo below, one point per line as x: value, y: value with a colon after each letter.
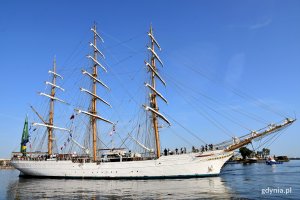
x: 8, y: 167
x: 5, y: 164
x: 246, y: 161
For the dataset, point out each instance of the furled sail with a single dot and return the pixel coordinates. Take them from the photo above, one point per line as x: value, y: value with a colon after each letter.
x: 50, y: 126
x: 156, y: 56
x: 97, y: 62
x: 158, y: 114
x: 94, y: 95
x: 55, y: 74
x: 155, y: 72
x: 57, y: 86
x: 156, y: 92
x: 96, y: 79
x: 154, y: 40
x: 92, y: 29
x: 91, y: 44
x: 93, y: 115
x: 52, y: 97
x: 140, y: 144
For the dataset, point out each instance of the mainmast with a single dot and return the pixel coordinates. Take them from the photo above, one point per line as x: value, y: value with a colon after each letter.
x: 51, y: 111
x: 94, y: 103
x: 94, y: 77
x: 153, y: 107
x: 50, y: 126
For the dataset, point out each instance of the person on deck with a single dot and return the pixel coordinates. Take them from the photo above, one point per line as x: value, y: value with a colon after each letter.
x: 166, y: 152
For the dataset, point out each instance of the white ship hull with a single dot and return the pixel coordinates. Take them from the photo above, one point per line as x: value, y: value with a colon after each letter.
x: 172, y: 166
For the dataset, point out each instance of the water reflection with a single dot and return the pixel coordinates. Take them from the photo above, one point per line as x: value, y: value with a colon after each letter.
x: 212, y: 187
x: 236, y: 181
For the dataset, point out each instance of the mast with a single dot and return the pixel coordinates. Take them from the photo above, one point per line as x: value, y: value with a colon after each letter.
x: 153, y: 107
x: 51, y: 111
x: 93, y: 93
x: 94, y: 103
x: 153, y: 101
x: 49, y: 124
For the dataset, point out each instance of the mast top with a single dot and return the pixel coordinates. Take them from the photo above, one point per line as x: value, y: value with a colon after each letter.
x: 54, y: 63
x: 94, y: 29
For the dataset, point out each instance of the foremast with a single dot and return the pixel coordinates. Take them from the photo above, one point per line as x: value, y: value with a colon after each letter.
x: 50, y: 123
x: 153, y: 107
x: 93, y: 114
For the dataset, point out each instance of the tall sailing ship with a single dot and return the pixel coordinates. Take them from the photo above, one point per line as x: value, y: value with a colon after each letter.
x: 110, y: 163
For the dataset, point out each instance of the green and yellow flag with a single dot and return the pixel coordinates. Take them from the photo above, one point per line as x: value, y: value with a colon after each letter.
x: 25, y: 136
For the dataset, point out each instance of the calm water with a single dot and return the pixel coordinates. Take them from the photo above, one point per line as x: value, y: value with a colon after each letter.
x: 236, y: 181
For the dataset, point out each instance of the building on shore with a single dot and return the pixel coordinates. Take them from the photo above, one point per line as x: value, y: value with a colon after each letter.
x: 5, y: 163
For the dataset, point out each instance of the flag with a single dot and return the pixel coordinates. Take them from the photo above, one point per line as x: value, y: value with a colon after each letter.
x: 25, y: 137
x: 112, y: 131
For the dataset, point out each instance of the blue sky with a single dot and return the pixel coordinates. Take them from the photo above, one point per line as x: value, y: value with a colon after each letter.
x: 252, y: 46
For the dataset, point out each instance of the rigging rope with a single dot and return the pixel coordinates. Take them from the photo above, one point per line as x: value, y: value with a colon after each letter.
x: 189, y: 131
x: 208, y: 117
x: 221, y: 114
x: 218, y: 102
x: 238, y: 92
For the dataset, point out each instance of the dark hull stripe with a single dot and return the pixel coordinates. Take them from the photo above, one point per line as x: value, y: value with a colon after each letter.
x: 123, y: 178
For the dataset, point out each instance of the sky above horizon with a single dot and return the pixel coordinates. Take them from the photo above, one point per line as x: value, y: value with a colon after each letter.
x: 212, y: 47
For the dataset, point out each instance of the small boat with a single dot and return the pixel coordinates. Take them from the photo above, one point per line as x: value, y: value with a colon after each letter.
x: 272, y: 161
x: 251, y: 160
